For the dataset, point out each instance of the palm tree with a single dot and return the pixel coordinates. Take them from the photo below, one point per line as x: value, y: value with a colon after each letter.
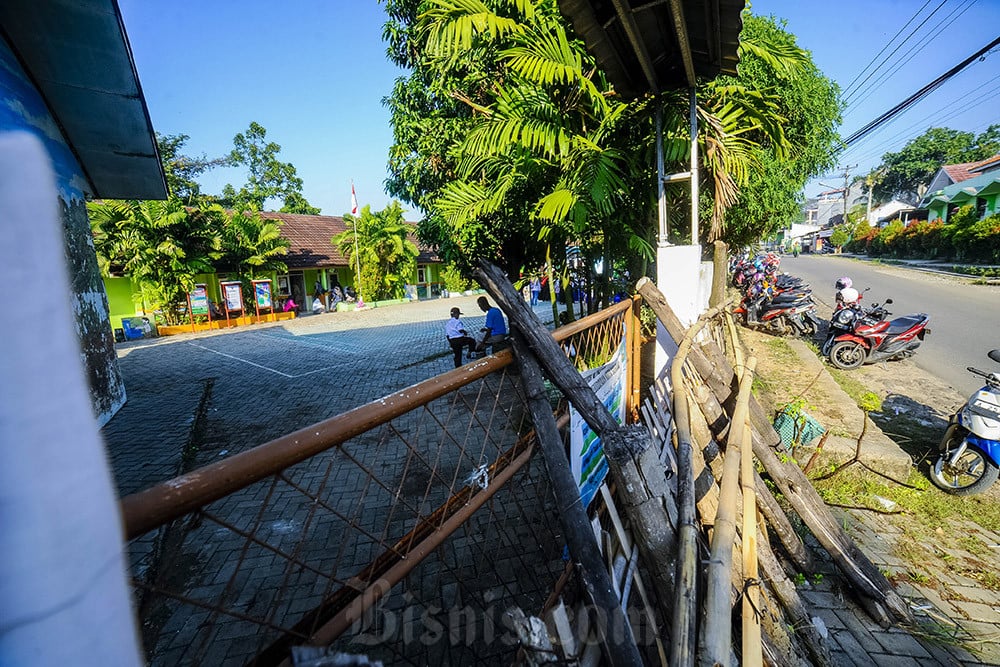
x: 251, y: 243
x: 380, y: 241
x: 160, y: 245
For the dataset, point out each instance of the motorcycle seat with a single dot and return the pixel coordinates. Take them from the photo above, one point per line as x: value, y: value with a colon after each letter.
x: 901, y: 324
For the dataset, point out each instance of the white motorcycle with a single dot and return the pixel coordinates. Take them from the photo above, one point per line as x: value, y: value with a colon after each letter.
x: 969, y: 454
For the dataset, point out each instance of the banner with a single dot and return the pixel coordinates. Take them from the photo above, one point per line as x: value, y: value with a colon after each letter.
x: 586, y: 454
x: 232, y: 294
x: 262, y: 291
x: 199, y: 300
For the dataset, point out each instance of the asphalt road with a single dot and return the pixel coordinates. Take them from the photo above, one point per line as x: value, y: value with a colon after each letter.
x: 965, y: 318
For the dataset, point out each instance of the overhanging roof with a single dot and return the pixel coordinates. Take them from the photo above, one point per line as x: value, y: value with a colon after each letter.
x: 654, y: 45
x: 77, y: 54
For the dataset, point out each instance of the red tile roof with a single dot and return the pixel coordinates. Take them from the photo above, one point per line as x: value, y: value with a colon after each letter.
x: 959, y: 172
x: 310, y: 236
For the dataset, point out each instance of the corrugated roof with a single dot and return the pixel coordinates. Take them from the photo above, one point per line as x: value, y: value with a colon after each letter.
x: 77, y: 55
x: 310, y: 238
x: 988, y: 163
x: 643, y: 47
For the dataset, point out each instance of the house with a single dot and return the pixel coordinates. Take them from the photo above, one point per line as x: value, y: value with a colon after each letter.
x: 67, y: 76
x: 979, y: 185
x: 311, y: 258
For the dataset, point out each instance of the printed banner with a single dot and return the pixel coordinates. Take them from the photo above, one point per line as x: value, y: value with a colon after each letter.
x: 199, y: 300
x: 586, y: 454
x: 262, y: 290
x: 232, y: 294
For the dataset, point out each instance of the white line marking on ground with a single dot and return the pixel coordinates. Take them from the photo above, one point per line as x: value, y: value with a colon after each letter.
x: 234, y: 358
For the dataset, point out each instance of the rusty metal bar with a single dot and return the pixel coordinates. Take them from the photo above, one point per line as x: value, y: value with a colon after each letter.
x: 374, y: 592
x: 145, y: 510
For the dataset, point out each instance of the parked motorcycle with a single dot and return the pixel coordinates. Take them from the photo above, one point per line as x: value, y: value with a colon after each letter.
x: 782, y: 314
x: 858, y: 336
x: 969, y: 454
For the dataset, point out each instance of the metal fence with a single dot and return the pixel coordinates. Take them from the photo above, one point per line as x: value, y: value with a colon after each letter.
x: 402, y: 530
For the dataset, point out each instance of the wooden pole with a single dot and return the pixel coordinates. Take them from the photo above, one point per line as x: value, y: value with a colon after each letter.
x: 720, y: 271
x: 633, y: 465
x: 716, y: 636
x: 617, y: 641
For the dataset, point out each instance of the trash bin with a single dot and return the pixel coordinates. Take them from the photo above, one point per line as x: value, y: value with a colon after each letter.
x: 132, y: 332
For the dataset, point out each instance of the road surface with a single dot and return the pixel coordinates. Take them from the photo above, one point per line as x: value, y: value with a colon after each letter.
x: 965, y: 318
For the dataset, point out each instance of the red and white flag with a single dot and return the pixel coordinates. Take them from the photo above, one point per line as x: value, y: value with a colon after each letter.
x: 354, y: 201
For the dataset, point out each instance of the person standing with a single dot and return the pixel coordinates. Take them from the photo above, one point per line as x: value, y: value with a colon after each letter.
x: 536, y: 288
x: 495, y: 329
x: 457, y: 336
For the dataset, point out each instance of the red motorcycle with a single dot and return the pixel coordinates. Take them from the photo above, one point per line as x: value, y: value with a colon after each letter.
x: 870, y: 338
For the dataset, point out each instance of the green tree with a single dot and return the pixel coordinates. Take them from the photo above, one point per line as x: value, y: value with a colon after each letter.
x: 182, y: 170
x: 808, y: 103
x: 251, y: 244
x: 268, y: 178
x: 380, y: 241
x: 160, y: 245
x: 905, y: 171
x: 840, y: 236
x: 543, y: 152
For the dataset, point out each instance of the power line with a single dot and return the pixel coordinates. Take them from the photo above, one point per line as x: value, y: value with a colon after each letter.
x: 930, y: 119
x: 910, y: 36
x: 951, y: 18
x: 872, y: 61
x: 917, y: 96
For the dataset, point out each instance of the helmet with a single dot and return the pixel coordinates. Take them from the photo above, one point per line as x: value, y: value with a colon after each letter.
x: 843, y: 283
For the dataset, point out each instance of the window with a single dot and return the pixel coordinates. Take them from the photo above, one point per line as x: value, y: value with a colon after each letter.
x: 980, y: 208
x: 421, y: 274
x: 283, y: 285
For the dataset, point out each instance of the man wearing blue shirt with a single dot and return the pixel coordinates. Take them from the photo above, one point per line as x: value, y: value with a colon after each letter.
x: 495, y: 329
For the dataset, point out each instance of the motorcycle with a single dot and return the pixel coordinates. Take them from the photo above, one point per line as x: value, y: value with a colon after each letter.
x: 865, y: 337
x: 782, y: 313
x: 969, y: 454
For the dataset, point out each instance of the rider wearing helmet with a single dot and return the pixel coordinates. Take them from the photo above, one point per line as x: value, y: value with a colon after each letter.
x: 846, y: 295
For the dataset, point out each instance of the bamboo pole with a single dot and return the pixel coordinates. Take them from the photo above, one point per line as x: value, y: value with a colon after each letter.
x: 752, y: 656
x: 712, y: 365
x: 685, y: 599
x: 716, y: 636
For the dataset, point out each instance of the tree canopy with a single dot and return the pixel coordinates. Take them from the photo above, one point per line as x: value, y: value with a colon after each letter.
x: 380, y: 241
x: 182, y: 170
x: 512, y: 143
x: 903, y: 173
x: 268, y: 178
x: 808, y: 102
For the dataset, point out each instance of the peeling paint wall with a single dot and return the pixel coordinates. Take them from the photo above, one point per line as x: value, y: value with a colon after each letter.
x: 22, y: 108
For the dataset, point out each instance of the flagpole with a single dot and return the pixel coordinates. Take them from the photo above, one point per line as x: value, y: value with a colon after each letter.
x: 357, y: 252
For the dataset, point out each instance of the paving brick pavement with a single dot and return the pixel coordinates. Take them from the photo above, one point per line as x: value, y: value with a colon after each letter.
x: 194, y: 399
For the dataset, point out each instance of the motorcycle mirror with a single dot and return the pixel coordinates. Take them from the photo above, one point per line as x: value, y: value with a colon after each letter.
x: 995, y: 355
x: 888, y: 301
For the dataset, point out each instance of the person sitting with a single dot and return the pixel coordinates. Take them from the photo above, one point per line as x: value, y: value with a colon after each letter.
x: 290, y: 305
x: 495, y: 330
x: 458, y: 337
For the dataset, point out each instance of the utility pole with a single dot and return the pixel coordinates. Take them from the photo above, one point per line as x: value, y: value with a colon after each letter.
x: 847, y: 189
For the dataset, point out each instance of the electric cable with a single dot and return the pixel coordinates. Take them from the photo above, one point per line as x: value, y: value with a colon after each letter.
x: 917, y: 96
x: 911, y: 35
x: 847, y: 89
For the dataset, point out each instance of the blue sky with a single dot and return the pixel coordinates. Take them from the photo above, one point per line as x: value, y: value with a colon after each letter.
x: 314, y: 72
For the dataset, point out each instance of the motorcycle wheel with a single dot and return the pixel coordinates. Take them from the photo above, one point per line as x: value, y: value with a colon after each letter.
x: 972, y: 473
x: 847, y: 355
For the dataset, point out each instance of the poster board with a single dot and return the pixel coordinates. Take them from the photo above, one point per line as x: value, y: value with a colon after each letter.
x: 262, y: 293
x: 232, y: 295
x: 586, y: 457
x: 199, y: 300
